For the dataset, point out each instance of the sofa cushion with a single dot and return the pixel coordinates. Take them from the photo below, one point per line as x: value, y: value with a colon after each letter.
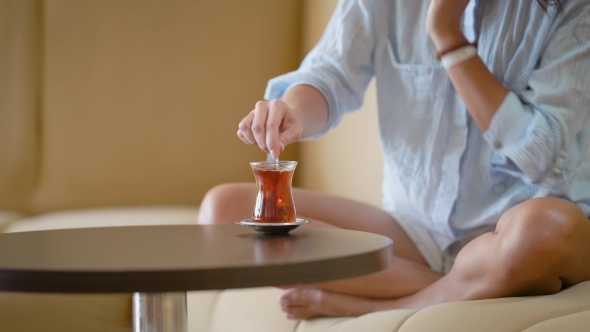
x: 383, y: 321
x: 578, y: 322
x: 132, y: 97
x: 254, y: 309
x: 257, y: 310
x: 507, y: 314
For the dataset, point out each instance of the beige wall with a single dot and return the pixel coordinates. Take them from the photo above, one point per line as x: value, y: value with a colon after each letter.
x: 348, y: 160
x: 126, y: 102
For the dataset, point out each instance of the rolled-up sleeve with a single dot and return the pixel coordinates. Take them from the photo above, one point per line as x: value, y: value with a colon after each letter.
x: 341, y: 65
x: 535, y: 131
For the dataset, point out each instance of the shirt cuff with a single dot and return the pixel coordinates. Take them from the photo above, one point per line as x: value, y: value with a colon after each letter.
x: 277, y: 87
x: 506, y: 133
x: 509, y: 124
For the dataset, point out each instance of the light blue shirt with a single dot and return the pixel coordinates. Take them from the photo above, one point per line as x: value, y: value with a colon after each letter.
x: 441, y: 172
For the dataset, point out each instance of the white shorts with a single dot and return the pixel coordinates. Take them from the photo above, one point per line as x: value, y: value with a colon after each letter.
x: 439, y: 260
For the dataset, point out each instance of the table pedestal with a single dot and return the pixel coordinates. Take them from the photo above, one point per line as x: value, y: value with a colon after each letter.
x: 159, y: 312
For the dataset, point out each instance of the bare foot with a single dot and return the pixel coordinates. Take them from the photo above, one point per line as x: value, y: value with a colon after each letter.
x: 306, y: 303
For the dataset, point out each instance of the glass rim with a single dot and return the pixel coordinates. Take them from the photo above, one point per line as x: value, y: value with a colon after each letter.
x: 272, y: 162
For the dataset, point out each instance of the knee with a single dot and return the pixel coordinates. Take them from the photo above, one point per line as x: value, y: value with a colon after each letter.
x: 536, y: 235
x: 543, y: 222
x: 227, y: 203
x: 530, y: 248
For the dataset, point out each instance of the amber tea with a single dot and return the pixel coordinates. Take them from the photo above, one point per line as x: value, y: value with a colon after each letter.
x: 274, y: 199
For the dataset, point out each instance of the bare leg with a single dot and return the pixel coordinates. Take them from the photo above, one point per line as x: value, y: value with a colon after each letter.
x: 539, y: 247
x: 409, y: 273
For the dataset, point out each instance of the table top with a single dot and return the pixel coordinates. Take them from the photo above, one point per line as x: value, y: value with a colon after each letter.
x: 183, y: 257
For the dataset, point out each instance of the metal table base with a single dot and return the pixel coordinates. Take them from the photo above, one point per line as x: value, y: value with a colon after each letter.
x: 159, y: 312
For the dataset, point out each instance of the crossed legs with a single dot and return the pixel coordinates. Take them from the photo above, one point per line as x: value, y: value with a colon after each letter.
x: 539, y: 247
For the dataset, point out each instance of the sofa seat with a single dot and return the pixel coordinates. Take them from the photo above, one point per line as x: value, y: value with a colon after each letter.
x: 256, y: 309
x: 28, y: 312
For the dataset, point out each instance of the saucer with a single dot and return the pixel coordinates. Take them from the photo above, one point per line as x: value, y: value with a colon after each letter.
x: 265, y: 228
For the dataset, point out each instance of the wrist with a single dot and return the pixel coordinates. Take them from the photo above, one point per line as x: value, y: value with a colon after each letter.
x: 448, y: 40
x: 457, y: 56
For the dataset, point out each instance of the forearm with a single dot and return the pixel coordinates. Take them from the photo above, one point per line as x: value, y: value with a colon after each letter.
x: 311, y: 105
x: 481, y: 92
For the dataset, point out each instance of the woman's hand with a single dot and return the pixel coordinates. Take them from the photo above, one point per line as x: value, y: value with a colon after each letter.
x: 443, y: 24
x: 272, y: 126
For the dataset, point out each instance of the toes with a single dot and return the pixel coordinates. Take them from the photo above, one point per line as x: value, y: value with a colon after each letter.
x: 300, y: 313
x: 300, y: 303
x: 300, y: 297
x: 306, y: 303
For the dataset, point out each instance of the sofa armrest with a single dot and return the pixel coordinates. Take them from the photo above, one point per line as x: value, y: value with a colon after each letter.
x: 105, y: 217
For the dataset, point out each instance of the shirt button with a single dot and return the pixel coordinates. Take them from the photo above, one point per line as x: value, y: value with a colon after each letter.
x: 497, y: 145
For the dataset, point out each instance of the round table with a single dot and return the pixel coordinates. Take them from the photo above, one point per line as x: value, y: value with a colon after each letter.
x: 159, y: 264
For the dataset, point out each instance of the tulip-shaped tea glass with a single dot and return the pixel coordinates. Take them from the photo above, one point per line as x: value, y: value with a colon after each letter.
x: 274, y: 199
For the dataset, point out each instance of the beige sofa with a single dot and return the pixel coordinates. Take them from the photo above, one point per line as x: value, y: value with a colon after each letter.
x: 257, y: 310
x: 124, y: 113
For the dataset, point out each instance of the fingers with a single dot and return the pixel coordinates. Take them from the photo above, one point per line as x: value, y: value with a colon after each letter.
x: 259, y: 124
x: 276, y: 116
x: 271, y: 126
x: 244, y: 129
x: 252, y: 128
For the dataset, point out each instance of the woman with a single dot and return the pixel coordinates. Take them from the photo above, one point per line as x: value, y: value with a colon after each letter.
x: 487, y: 175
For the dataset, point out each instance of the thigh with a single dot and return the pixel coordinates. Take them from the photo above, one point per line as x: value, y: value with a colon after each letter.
x: 232, y: 202
x: 349, y: 214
